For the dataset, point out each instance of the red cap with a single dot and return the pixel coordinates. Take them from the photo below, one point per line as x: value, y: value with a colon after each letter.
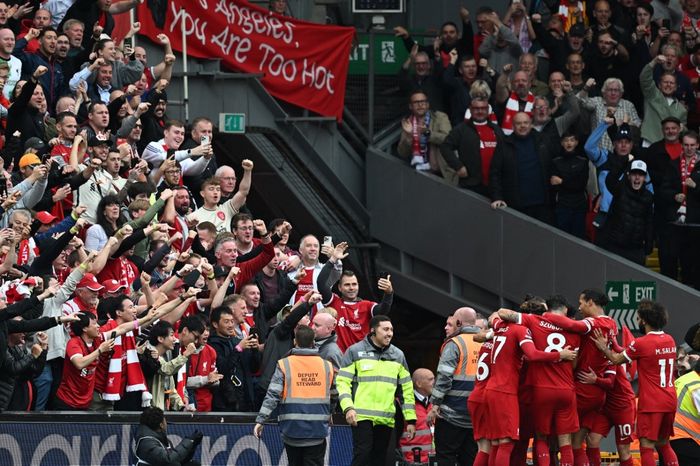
x: 179, y: 283
x: 90, y: 282
x: 45, y: 217
x: 112, y: 286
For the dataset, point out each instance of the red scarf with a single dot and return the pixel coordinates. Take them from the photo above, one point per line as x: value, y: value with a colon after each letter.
x: 181, y: 381
x: 26, y: 251
x: 688, y: 21
x: 513, y: 107
x: 118, y: 381
x: 419, y: 146
x: 686, y: 170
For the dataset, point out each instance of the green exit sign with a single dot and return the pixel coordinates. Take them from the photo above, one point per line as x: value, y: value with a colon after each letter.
x: 624, y: 300
x: 232, y: 123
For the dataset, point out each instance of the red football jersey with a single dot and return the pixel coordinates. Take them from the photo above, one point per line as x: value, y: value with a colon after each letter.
x: 306, y: 284
x: 483, y: 369
x: 656, y: 353
x: 77, y: 385
x: 589, y: 357
x: 549, y: 338
x: 510, y: 343
x: 201, y: 364
x: 353, y: 320
x: 619, y: 398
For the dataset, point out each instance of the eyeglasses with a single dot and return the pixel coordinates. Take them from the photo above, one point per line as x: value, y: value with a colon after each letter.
x: 541, y: 107
x: 138, y: 126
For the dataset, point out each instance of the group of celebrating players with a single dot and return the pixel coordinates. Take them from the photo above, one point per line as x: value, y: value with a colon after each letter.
x: 540, y: 374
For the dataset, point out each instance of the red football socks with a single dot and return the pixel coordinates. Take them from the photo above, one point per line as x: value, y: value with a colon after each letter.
x: 593, y: 456
x: 647, y: 455
x: 566, y: 456
x: 542, y: 452
x: 482, y: 459
x: 580, y: 458
x: 503, y: 456
x: 670, y: 458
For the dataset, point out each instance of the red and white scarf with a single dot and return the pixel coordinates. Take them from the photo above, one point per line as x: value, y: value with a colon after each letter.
x: 688, y: 21
x: 27, y: 251
x: 124, y: 346
x: 513, y: 107
x: 419, y: 146
x: 686, y: 169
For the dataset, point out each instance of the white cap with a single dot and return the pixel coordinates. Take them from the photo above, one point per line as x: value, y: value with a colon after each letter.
x: 638, y: 165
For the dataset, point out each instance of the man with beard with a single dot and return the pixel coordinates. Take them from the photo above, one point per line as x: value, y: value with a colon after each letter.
x: 7, y: 45
x: 154, y: 119
x: 470, y: 146
x: 513, y: 96
x: 176, y: 216
x: 53, y: 81
x: 174, y: 133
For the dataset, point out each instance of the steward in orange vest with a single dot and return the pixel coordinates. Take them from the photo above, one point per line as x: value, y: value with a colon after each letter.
x: 301, y: 386
x: 686, y: 427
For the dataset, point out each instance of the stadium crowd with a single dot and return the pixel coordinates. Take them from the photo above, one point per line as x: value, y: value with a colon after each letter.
x: 582, y: 114
x: 145, y: 281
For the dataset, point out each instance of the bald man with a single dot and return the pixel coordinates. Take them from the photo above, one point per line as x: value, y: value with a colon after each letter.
x: 423, y: 381
x: 454, y: 437
x: 323, y: 325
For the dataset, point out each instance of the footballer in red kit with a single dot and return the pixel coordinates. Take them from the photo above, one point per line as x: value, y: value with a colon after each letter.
x: 476, y: 403
x: 553, y: 402
x: 655, y: 352
x: 590, y: 398
x: 618, y: 413
x: 510, y: 343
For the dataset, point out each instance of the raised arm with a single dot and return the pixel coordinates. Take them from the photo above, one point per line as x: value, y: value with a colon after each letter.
x: 238, y: 199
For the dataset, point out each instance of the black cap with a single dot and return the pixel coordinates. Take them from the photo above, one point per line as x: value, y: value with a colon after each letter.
x: 577, y: 30
x: 94, y: 141
x: 671, y: 119
x: 219, y: 272
x: 623, y: 132
x: 39, y: 146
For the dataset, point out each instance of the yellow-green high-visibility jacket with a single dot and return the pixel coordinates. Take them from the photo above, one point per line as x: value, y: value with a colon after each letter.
x: 367, y: 383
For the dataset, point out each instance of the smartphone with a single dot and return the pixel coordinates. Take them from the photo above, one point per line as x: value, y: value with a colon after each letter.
x: 3, y: 186
x: 113, y: 335
x: 666, y: 23
x: 204, y: 294
x: 204, y: 140
x: 328, y: 240
x: 129, y: 42
x: 254, y: 333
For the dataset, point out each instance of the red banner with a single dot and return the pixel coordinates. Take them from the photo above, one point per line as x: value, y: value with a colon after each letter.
x: 303, y: 63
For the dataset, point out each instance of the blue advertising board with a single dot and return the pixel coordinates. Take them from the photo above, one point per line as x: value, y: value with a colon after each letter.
x: 109, y: 444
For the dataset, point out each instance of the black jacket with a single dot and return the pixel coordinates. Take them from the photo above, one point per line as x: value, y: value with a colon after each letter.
x: 461, y: 149
x: 657, y: 160
x: 18, y: 367
x: 89, y: 13
x: 503, y: 175
x: 666, y: 204
x: 235, y: 392
x: 630, y: 219
x: 572, y: 168
x: 154, y: 448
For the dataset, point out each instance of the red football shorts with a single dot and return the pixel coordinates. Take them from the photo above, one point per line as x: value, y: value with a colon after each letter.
x: 655, y: 426
x: 525, y: 399
x: 554, y: 411
x: 504, y: 415
x: 589, y: 400
x: 477, y: 411
x: 621, y: 421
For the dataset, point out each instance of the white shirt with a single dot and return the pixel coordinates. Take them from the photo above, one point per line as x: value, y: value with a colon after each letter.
x: 91, y: 193
x: 15, y: 65
x: 220, y: 216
